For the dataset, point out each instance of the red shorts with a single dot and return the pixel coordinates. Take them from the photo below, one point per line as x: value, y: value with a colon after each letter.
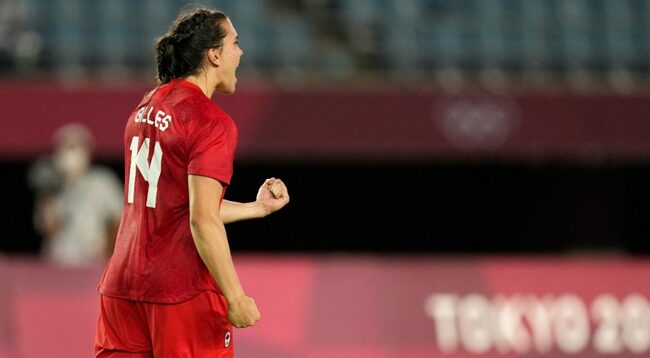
x: 195, y: 328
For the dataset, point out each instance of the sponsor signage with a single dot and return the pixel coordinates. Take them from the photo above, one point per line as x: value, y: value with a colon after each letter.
x: 374, y: 307
x: 355, y: 124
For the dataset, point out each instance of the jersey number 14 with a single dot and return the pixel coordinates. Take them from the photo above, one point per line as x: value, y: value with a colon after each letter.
x: 150, y: 171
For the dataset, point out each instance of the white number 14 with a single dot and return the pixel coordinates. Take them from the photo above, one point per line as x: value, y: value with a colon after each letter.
x: 150, y: 171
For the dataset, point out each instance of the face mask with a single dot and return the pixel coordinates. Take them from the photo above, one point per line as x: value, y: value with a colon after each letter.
x: 72, y: 161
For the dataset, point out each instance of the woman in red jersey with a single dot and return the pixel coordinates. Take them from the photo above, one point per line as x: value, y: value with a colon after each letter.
x: 170, y: 288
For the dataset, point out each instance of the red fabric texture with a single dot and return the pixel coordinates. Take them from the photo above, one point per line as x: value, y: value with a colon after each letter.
x: 155, y: 259
x: 195, y: 328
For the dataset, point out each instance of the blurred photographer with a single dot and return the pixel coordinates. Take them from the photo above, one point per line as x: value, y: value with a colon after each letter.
x: 78, y: 205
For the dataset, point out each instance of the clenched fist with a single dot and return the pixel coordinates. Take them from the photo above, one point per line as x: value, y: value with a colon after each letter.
x: 243, y: 312
x: 273, y: 195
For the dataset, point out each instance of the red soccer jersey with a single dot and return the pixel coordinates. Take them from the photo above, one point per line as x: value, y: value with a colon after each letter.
x: 175, y: 131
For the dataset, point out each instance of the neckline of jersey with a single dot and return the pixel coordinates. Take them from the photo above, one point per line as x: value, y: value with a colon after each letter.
x: 187, y: 84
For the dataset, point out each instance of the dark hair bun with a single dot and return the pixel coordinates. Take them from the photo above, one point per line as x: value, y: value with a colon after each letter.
x: 180, y: 52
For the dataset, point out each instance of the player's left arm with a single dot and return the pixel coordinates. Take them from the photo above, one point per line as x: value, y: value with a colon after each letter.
x: 271, y: 197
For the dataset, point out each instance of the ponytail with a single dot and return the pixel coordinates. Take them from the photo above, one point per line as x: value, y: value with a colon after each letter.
x: 165, y: 59
x: 180, y: 52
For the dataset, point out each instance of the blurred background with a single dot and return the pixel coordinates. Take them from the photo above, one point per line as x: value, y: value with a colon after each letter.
x: 449, y: 162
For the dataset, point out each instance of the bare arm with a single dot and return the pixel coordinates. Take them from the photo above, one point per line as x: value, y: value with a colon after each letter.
x: 271, y: 197
x: 232, y: 211
x: 211, y: 242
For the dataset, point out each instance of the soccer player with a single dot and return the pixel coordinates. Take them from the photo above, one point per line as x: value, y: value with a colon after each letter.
x: 170, y: 288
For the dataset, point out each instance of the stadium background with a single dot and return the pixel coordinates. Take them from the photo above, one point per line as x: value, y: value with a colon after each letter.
x: 487, y: 148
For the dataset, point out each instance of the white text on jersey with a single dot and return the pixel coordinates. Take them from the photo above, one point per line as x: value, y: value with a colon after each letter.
x: 161, y: 119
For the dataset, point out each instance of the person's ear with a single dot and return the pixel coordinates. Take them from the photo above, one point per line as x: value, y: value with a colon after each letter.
x: 214, y: 56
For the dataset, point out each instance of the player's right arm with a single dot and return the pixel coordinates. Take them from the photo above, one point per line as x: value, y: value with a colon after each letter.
x: 211, y: 242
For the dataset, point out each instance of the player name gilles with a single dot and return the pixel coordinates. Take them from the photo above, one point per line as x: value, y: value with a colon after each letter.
x: 161, y: 120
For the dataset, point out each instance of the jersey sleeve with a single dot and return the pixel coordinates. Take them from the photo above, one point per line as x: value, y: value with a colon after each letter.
x: 212, y: 150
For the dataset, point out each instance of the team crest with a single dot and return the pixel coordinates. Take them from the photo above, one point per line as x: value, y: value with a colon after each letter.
x: 226, y: 341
